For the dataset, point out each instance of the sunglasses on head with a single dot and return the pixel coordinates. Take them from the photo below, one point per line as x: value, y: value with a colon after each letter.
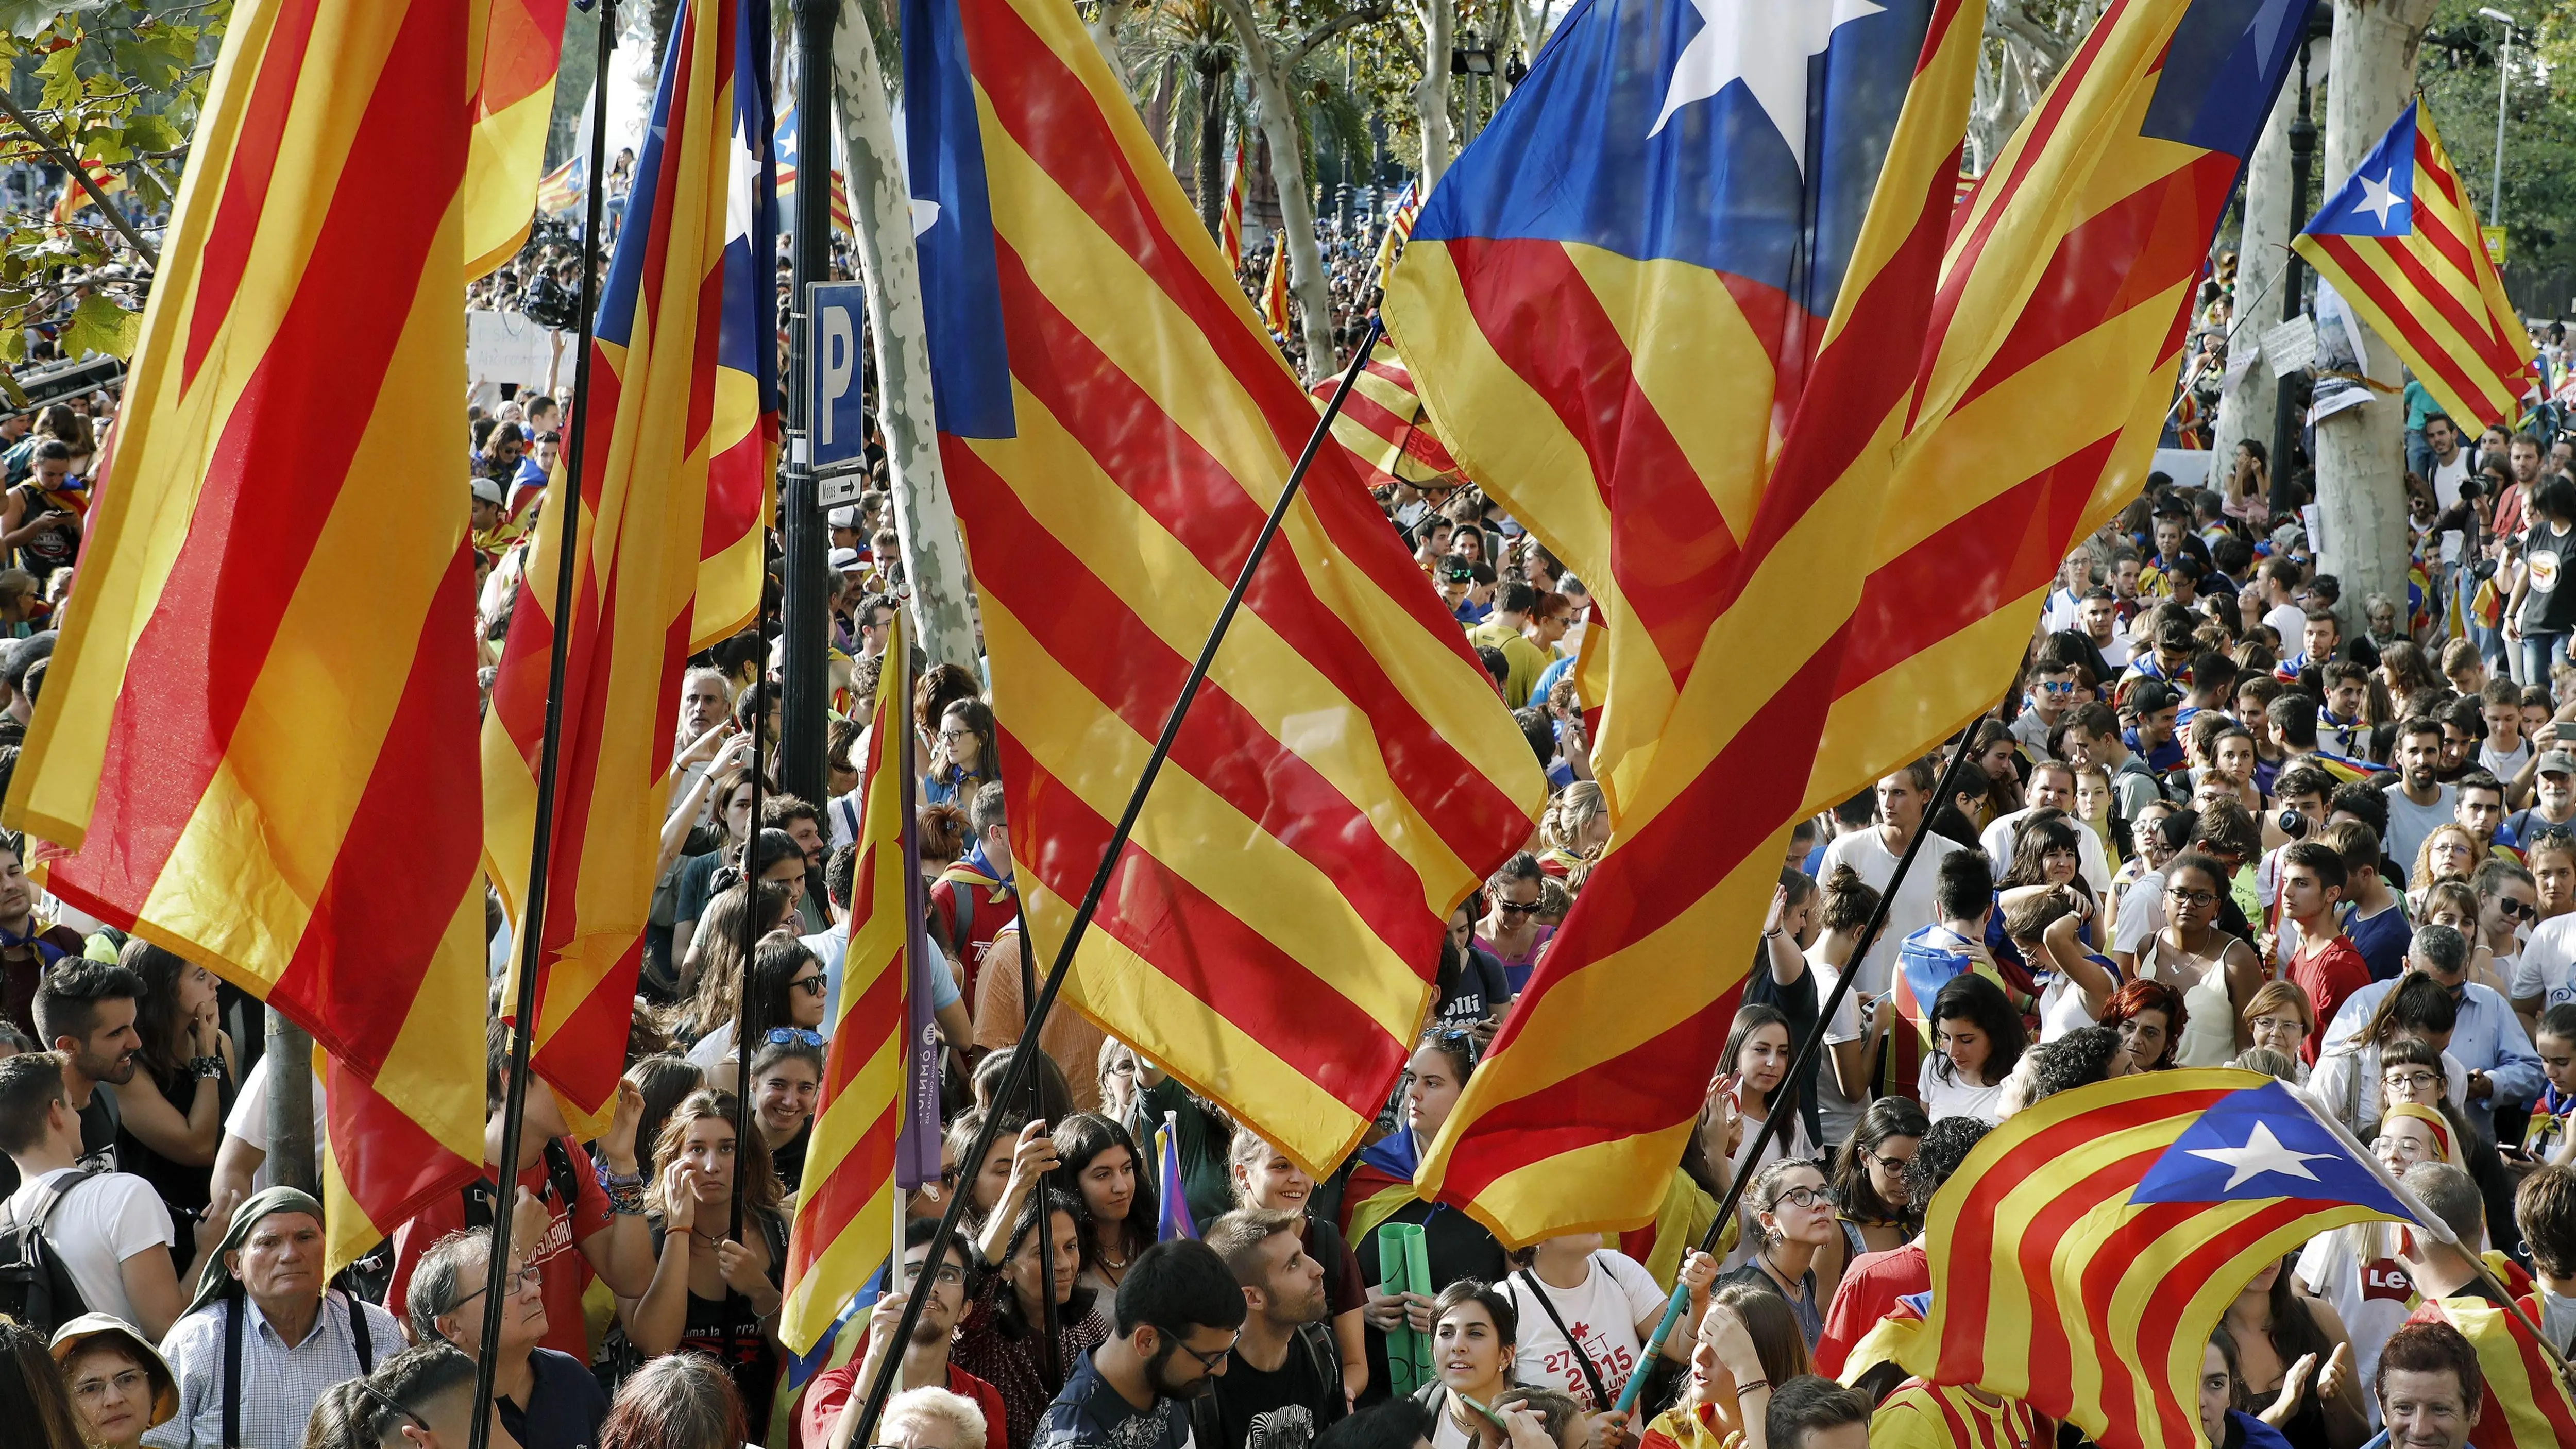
x: 782, y: 1035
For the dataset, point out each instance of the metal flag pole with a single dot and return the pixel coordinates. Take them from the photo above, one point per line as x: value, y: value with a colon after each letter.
x: 1025, y: 1051
x: 1054, y: 1377
x: 532, y: 915
x: 1807, y: 1056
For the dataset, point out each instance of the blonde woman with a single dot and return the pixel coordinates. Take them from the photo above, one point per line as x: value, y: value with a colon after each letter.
x: 2447, y: 852
x: 1574, y: 829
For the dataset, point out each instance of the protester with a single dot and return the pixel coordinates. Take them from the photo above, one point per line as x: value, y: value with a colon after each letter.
x: 715, y: 1286
x: 679, y: 1401
x: 1003, y: 1339
x: 1179, y: 1316
x: 119, y: 1384
x: 1282, y: 1387
x: 1269, y: 1180
x: 547, y: 1399
x: 32, y: 1399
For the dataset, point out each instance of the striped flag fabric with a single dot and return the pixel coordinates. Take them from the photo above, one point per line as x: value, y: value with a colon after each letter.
x: 1230, y: 221
x: 1174, y: 1189
x: 2527, y: 1403
x: 2056, y: 339
x: 655, y: 399
x: 1574, y: 280
x: 75, y: 198
x: 256, y: 747
x: 563, y: 188
x: 844, y: 1225
x: 1399, y: 225
x: 2085, y: 1249
x: 1384, y: 424
x: 1115, y: 427
x: 2400, y: 243
x: 1274, y: 289
x: 784, y: 148
x: 743, y: 438
x: 516, y: 47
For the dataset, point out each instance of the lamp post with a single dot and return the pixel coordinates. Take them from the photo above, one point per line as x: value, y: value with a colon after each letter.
x: 2504, y: 67
x: 2303, y: 147
x: 1473, y: 57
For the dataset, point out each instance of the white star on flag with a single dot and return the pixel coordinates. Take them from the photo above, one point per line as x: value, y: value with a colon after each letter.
x: 2379, y: 198
x: 2261, y: 1153
x: 1765, y: 44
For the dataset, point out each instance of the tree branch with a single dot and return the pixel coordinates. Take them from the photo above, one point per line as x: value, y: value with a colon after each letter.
x: 80, y: 174
x: 1305, y: 45
x: 2013, y: 22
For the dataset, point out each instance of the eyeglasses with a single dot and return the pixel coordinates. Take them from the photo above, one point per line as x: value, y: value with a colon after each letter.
x: 1892, y: 1164
x: 2192, y: 898
x: 397, y: 1405
x: 811, y: 984
x: 1804, y: 1197
x: 519, y: 1282
x: 782, y: 1035
x: 945, y: 735
x: 1122, y: 1069
x: 127, y: 1382
x: 2417, y: 1081
x: 1208, y: 1361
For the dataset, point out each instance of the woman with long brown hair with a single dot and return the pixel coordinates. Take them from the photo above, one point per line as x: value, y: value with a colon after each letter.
x: 712, y: 1292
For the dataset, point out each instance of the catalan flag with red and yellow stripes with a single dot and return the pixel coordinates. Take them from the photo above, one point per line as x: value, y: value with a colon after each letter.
x: 2401, y: 243
x: 2527, y: 1403
x: 256, y: 747
x: 514, y: 47
x: 1399, y: 225
x: 743, y: 437
x: 1384, y: 423
x: 1274, y: 289
x: 845, y: 1211
x: 2084, y: 1250
x: 1115, y: 427
x: 1229, y: 234
x: 75, y: 197
x: 1576, y: 279
x: 653, y: 396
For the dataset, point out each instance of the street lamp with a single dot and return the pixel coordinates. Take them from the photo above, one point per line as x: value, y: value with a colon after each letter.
x: 2504, y: 61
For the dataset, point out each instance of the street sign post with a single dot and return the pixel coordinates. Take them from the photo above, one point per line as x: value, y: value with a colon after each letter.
x: 836, y: 312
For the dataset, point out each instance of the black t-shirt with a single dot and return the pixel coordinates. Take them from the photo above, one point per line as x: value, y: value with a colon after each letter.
x: 1798, y: 1002
x: 2549, y: 607
x: 1477, y: 991
x: 1287, y: 1409
x: 565, y: 1406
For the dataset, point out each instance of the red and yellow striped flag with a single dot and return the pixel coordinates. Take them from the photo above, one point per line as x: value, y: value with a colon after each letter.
x: 1569, y: 376
x: 1399, y: 225
x: 256, y: 747
x: 514, y: 46
x: 2527, y: 1403
x: 654, y: 394
x: 2400, y: 243
x: 75, y: 197
x: 1383, y: 422
x: 1115, y: 427
x: 845, y: 1212
x: 1274, y: 288
x: 742, y: 440
x: 1229, y: 234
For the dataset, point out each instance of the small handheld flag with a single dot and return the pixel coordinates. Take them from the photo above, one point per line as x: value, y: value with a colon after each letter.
x: 1176, y: 1203
x: 1230, y: 226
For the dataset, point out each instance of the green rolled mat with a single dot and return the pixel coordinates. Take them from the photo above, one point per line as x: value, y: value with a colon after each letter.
x: 1404, y: 1266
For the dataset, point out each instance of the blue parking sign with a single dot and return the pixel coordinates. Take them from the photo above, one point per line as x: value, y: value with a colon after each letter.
x: 835, y: 316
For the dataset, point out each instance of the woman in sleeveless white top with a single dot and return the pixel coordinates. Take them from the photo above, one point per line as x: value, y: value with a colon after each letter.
x: 2216, y: 972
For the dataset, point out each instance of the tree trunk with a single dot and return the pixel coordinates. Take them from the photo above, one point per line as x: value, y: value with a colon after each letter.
x: 2361, y: 458
x: 2245, y: 410
x: 1104, y: 34
x: 881, y: 209
x: 1212, y: 178
x: 1266, y: 65
x: 1431, y: 97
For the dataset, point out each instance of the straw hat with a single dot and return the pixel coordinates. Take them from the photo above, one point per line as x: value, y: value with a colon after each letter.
x: 73, y: 1336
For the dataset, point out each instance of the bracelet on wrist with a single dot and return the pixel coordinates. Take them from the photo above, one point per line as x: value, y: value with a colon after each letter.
x: 1749, y: 1385
x: 609, y: 1180
x: 206, y: 1068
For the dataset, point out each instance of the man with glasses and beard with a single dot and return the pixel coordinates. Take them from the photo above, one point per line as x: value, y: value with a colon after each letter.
x: 1179, y: 1314
x: 828, y: 1417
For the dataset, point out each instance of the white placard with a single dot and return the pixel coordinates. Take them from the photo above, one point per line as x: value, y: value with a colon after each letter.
x: 2312, y: 522
x: 2291, y: 347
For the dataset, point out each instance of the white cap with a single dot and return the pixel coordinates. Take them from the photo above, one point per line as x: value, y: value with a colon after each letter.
x: 845, y: 559
x: 845, y: 516
x: 487, y: 490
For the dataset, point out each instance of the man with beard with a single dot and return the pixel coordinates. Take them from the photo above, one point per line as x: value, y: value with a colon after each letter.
x: 1179, y: 1314
x: 85, y: 1010
x: 1282, y: 1387
x: 827, y: 1421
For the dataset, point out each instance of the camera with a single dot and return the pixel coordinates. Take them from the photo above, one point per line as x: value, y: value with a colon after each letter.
x: 549, y: 303
x: 2293, y: 824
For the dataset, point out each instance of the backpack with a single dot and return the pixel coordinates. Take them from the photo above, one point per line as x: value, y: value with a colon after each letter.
x: 563, y: 1180
x: 36, y: 1287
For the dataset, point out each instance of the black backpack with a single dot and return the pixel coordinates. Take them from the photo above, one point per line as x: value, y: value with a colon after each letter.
x: 36, y: 1287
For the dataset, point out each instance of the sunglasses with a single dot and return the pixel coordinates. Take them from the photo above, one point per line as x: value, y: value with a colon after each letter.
x: 782, y: 1035
x: 1516, y: 908
x: 812, y: 984
x: 2516, y: 910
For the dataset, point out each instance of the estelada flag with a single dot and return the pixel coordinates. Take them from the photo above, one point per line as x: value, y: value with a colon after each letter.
x: 2084, y: 1250
x: 1115, y: 427
x: 2400, y: 243
x: 255, y: 748
x: 649, y: 421
x: 1384, y: 424
x: 516, y: 45
x: 1632, y: 224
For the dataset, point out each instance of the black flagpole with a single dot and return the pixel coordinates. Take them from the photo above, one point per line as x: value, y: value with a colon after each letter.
x: 532, y: 913
x: 1015, y: 1080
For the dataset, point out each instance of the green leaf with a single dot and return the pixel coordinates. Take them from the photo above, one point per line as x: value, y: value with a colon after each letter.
x: 62, y: 83
x: 152, y: 133
x: 100, y: 325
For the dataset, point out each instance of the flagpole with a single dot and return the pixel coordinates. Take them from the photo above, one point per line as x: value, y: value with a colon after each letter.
x: 1024, y: 1052
x: 532, y: 914
x: 1808, y: 1051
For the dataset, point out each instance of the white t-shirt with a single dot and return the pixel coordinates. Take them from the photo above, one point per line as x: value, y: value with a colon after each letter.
x: 1912, y: 909
x: 2547, y: 966
x: 2289, y: 621
x: 2409, y: 823
x: 2447, y: 478
x: 1838, y: 1113
x: 248, y: 1119
x: 96, y: 1227
x: 1616, y: 1295
x: 2142, y: 913
x: 2503, y: 766
x: 1952, y: 1097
